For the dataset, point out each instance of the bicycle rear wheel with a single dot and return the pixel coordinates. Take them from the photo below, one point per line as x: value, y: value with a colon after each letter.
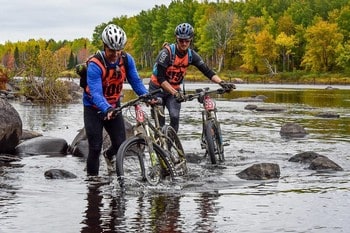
x: 213, y: 139
x: 174, y: 147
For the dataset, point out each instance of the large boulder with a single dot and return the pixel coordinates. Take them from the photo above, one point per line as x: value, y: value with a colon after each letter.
x: 80, y: 147
x: 43, y: 145
x: 10, y: 127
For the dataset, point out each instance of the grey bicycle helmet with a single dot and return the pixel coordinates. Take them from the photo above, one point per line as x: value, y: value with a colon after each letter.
x: 184, y: 31
x: 114, y: 37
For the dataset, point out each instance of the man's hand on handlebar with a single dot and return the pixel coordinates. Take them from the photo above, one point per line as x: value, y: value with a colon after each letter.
x: 180, y: 97
x: 155, y: 101
x: 111, y: 113
x: 227, y: 86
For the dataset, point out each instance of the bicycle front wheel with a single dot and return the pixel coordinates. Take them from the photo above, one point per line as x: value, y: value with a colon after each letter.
x: 213, y: 139
x: 151, y: 166
x: 174, y: 147
x: 130, y: 167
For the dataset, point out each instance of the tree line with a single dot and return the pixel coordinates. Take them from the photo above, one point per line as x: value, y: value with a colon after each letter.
x: 254, y: 36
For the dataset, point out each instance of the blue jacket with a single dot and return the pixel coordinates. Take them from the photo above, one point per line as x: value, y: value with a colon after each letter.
x: 94, y: 80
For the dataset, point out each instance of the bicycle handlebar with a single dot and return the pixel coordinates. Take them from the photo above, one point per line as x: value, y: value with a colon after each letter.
x: 203, y: 92
x: 142, y: 98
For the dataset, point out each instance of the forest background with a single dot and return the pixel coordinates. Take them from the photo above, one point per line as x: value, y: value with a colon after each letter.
x: 274, y: 41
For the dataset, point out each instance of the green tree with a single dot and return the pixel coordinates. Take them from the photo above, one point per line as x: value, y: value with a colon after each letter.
x: 31, y: 54
x: 222, y: 27
x: 143, y: 38
x: 159, y: 26
x: 71, y: 61
x: 343, y: 57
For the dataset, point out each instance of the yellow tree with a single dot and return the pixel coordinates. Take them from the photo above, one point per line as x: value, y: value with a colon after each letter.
x: 266, y: 49
x: 323, y: 39
x: 249, y: 53
x: 63, y: 56
x: 285, y: 45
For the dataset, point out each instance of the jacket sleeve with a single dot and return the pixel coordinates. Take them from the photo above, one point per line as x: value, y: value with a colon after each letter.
x: 94, y: 81
x: 134, y: 78
x: 198, y: 62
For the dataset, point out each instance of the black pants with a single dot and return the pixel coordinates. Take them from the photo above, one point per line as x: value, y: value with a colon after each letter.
x: 94, y: 125
x: 171, y: 104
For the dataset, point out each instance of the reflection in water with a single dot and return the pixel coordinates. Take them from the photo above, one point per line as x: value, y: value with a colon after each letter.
x: 146, y: 212
x: 92, y: 219
x: 207, y: 213
x: 165, y: 213
x: 103, y: 213
x: 125, y: 213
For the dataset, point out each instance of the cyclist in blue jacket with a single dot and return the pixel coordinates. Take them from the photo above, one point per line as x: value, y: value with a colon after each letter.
x: 102, y: 96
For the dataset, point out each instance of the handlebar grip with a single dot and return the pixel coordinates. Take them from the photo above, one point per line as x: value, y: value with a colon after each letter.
x: 222, y: 90
x: 116, y: 111
x: 189, y: 97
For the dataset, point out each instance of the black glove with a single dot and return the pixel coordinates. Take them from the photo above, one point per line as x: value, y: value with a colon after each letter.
x: 115, y: 112
x: 179, y: 96
x: 227, y: 86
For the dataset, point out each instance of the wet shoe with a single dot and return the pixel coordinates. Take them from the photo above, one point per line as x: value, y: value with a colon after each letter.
x: 110, y: 162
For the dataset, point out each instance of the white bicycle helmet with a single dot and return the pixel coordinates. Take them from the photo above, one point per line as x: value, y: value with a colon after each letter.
x: 114, y: 37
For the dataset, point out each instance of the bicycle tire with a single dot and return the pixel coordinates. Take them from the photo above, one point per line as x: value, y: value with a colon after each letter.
x: 129, y: 163
x: 137, y: 147
x: 214, y: 146
x: 175, y: 148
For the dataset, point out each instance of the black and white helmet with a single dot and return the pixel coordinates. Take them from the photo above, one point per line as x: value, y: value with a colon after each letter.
x: 184, y: 31
x: 114, y: 37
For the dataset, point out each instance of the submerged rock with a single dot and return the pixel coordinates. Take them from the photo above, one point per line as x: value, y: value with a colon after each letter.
x: 328, y: 115
x: 59, y: 174
x: 304, y: 157
x: 261, y: 171
x: 292, y: 130
x: 324, y: 163
x: 316, y: 161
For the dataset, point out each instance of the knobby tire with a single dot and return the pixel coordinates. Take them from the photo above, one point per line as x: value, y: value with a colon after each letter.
x: 214, y: 142
x: 133, y: 162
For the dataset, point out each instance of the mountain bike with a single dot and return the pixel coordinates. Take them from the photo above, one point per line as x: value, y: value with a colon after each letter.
x: 211, y: 138
x: 153, y: 152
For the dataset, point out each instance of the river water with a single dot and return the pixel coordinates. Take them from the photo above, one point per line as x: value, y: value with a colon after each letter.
x: 210, y: 199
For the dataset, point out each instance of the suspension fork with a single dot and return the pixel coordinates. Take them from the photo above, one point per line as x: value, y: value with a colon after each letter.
x: 142, y: 121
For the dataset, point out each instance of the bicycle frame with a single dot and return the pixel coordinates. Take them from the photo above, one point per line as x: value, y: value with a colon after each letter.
x: 154, y: 131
